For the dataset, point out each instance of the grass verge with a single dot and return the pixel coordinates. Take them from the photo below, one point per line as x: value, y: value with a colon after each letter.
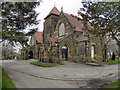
x: 6, y: 81
x: 115, y: 84
x: 113, y: 62
x: 44, y: 64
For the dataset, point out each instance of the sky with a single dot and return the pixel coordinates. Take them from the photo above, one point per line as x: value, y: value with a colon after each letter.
x: 69, y: 6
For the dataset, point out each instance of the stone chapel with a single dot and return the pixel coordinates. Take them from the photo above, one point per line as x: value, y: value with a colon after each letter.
x: 63, y: 39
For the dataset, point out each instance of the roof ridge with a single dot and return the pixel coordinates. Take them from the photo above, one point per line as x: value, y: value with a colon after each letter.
x: 74, y: 16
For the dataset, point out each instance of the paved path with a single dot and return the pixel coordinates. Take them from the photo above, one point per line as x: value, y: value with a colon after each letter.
x: 25, y: 75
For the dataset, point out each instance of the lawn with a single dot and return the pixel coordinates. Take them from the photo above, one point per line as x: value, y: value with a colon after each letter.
x: 44, y: 64
x: 115, y: 84
x: 113, y: 62
x: 6, y: 81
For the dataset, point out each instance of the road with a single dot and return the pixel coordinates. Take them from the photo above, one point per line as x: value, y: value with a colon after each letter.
x: 25, y: 75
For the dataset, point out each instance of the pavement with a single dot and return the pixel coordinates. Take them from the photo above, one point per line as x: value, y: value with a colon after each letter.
x: 25, y: 75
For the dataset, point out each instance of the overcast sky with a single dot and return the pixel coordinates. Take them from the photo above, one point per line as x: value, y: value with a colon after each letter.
x: 69, y: 6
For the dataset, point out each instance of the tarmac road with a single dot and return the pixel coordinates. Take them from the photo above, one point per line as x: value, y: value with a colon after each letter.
x: 25, y: 75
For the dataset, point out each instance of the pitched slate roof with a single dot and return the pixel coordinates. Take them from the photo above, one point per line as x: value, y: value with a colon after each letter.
x: 74, y: 21
x: 53, y: 40
x: 54, y: 11
x: 38, y: 36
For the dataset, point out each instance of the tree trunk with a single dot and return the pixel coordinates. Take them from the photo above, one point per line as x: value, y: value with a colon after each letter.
x: 102, y: 47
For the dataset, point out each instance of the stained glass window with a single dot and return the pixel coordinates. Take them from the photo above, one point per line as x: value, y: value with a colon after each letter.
x: 61, y: 29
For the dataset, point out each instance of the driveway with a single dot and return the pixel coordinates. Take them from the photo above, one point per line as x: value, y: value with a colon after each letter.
x: 25, y: 75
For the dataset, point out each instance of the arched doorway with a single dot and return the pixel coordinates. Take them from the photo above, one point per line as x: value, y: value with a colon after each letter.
x: 31, y: 55
x: 64, y: 52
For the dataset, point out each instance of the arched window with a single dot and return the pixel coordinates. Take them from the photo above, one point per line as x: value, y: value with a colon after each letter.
x: 61, y: 29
